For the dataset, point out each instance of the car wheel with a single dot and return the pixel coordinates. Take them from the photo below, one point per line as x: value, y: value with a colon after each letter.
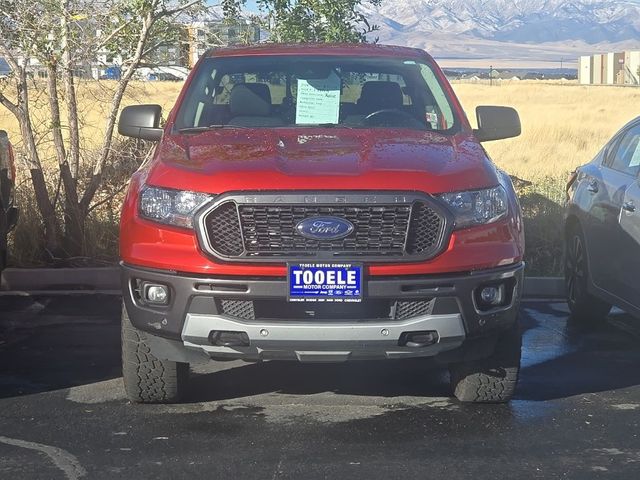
x: 493, y: 379
x: 148, y: 379
x: 582, y: 304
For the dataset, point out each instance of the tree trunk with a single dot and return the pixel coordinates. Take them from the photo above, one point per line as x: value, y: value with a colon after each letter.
x: 70, y: 91
x: 73, y: 220
x: 43, y: 201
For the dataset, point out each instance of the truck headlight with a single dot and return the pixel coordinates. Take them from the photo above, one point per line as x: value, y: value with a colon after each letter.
x: 173, y: 207
x: 477, y: 207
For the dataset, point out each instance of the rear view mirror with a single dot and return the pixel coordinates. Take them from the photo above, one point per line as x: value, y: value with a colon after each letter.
x: 141, y: 121
x: 497, y: 123
x: 312, y: 71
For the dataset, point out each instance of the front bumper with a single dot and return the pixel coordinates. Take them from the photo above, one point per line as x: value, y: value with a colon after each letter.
x: 182, y: 331
x: 322, y: 342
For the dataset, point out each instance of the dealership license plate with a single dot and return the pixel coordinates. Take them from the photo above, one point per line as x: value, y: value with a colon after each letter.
x: 325, y: 282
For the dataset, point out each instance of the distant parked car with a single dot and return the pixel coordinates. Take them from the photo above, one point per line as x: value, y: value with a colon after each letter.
x: 111, y: 73
x: 602, y: 229
x: 167, y: 77
x: 8, y: 211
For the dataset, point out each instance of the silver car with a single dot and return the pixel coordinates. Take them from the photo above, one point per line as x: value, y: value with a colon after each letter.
x: 602, y: 229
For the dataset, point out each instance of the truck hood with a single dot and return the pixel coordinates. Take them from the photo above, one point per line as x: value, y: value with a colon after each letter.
x: 327, y: 159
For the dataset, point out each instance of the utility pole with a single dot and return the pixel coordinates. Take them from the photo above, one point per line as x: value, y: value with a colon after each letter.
x: 491, y: 75
x: 561, y: 64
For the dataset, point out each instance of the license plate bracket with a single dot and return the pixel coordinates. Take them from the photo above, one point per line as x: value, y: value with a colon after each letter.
x: 330, y: 282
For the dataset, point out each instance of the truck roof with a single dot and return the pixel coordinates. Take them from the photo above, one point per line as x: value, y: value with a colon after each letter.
x: 357, y: 49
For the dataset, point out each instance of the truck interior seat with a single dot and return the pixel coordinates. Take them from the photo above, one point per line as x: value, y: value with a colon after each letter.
x: 250, y: 105
x: 380, y: 95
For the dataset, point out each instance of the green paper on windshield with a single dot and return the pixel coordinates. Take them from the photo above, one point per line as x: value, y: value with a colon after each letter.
x: 318, y: 100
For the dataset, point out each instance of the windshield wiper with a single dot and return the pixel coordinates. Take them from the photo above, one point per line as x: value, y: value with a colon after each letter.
x: 218, y: 126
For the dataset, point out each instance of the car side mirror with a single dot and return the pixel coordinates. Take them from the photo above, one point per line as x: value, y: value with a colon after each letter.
x: 497, y: 123
x: 141, y: 121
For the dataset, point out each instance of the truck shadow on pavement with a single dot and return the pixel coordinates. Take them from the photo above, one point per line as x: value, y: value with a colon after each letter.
x: 52, y: 343
x: 561, y: 358
x: 49, y: 343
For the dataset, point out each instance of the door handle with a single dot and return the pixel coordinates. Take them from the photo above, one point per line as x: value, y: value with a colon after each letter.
x: 592, y: 186
x: 629, y: 207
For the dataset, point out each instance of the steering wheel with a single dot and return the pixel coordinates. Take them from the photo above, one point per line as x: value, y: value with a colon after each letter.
x: 390, y: 117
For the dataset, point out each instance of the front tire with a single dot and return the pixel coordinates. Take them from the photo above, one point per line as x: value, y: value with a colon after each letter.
x: 147, y: 379
x: 493, y: 379
x: 582, y: 305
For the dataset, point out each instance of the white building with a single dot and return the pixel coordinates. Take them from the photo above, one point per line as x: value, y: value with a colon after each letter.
x: 613, y: 68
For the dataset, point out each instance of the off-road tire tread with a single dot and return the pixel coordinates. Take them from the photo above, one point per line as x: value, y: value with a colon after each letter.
x: 496, y: 386
x: 492, y: 380
x: 148, y: 379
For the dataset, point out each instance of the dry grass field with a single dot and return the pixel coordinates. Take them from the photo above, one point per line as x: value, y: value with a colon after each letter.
x: 94, y: 103
x: 564, y: 125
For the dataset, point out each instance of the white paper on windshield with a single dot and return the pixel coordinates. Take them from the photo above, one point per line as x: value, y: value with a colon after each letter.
x: 318, y: 100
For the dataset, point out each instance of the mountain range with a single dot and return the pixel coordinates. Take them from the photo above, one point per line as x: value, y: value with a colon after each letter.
x: 509, y: 32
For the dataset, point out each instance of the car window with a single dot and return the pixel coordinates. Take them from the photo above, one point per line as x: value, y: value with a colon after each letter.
x: 350, y: 90
x: 441, y: 105
x: 284, y: 91
x: 626, y: 157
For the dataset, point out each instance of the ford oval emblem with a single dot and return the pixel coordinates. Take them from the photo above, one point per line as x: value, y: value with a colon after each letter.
x: 324, y: 228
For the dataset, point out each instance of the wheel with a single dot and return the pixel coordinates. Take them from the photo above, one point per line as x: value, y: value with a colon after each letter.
x: 148, y: 379
x: 493, y: 379
x: 582, y: 304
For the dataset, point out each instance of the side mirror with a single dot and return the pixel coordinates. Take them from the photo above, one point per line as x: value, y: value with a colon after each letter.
x: 141, y: 121
x: 496, y: 123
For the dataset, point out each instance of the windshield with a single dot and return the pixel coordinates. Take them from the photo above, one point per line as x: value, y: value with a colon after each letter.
x: 285, y: 91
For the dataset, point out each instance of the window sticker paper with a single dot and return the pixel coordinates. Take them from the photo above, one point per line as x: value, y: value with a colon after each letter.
x: 318, y: 100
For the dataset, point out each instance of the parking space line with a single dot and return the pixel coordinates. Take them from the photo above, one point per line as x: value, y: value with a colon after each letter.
x: 62, y: 459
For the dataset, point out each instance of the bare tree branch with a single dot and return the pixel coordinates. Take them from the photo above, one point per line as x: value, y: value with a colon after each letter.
x: 9, y: 105
x: 113, y: 34
x: 180, y: 9
x: 92, y: 188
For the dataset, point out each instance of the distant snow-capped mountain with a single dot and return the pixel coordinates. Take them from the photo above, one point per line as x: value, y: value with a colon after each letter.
x: 481, y: 28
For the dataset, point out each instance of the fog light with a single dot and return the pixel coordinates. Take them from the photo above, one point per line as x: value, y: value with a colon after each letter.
x: 156, y: 294
x: 492, y: 296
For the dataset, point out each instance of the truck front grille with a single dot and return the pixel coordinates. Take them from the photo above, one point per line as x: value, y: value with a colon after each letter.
x: 262, y: 230
x: 271, y: 230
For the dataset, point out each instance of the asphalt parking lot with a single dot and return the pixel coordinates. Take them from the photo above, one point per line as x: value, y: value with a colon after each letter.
x: 64, y: 415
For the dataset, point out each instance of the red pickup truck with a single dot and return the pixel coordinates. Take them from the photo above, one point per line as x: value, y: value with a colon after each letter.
x: 320, y: 203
